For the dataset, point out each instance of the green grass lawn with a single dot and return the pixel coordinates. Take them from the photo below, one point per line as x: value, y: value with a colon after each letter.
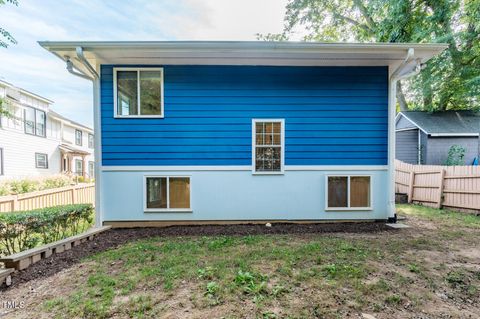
x: 424, y: 268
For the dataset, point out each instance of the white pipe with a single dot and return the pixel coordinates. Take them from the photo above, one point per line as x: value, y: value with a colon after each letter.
x: 71, y: 69
x: 84, y: 61
x: 392, y: 104
x: 95, y: 78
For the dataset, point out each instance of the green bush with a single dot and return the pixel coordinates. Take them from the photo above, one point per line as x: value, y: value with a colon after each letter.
x: 456, y: 155
x: 24, y: 186
x: 21, y: 186
x: 56, y: 182
x: 24, y: 230
x: 4, y: 189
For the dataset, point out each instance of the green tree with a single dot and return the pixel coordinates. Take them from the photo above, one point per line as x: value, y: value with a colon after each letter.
x: 6, y: 37
x: 449, y: 81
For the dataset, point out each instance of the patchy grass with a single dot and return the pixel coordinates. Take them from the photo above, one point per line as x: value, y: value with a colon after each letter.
x: 440, y: 216
x: 428, y: 268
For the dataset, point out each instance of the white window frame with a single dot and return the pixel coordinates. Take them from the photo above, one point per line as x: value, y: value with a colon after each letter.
x: 165, y: 210
x: 115, y: 93
x: 78, y: 142
x: 91, y: 141
x: 46, y: 160
x: 348, y: 193
x: 282, y: 146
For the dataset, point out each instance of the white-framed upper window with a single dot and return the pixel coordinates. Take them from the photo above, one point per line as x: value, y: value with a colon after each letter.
x: 91, y: 142
x: 348, y: 192
x: 138, y: 92
x: 41, y: 160
x: 78, y: 137
x: 167, y: 193
x: 268, y: 146
x: 35, y: 121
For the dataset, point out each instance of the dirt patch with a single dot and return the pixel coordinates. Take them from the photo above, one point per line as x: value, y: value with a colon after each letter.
x: 117, y: 237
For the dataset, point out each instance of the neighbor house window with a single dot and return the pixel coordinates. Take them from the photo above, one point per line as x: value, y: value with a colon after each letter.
x: 35, y: 121
x: 78, y: 137
x: 41, y: 160
x: 167, y: 193
x: 268, y: 146
x: 348, y: 192
x: 90, y: 140
x: 79, y: 167
x: 91, y: 169
x: 138, y: 92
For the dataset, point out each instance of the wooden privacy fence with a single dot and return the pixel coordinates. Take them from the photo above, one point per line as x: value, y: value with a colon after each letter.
x: 455, y: 187
x: 77, y: 194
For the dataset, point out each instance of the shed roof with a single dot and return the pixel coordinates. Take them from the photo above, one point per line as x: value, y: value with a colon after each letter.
x: 453, y: 123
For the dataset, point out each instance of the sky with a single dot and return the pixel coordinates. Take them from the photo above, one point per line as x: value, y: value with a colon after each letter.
x: 29, y: 66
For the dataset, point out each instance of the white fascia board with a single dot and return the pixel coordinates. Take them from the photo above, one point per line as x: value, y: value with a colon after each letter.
x: 242, y: 53
x: 406, y: 129
x: 419, y: 127
x: 23, y: 91
x: 454, y: 134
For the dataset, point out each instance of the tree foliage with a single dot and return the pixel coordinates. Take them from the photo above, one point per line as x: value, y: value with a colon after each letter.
x: 449, y: 81
x: 5, y: 37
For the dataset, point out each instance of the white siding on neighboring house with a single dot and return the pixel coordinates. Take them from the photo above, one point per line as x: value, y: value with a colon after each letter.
x: 19, y: 149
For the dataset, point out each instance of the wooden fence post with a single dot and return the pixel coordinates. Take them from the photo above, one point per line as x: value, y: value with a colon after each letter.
x: 15, y: 203
x: 410, y: 187
x: 74, y: 195
x: 440, y: 189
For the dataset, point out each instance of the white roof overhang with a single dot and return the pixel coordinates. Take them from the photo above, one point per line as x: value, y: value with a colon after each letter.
x: 239, y: 53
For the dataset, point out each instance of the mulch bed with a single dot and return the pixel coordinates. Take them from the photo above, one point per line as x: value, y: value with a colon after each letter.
x: 116, y: 237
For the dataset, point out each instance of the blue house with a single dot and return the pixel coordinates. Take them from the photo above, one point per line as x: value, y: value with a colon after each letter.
x: 202, y: 132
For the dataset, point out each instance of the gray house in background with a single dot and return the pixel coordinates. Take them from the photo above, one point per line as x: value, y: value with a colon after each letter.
x: 425, y: 138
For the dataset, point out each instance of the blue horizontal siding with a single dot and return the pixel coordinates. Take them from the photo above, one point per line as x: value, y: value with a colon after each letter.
x: 333, y: 116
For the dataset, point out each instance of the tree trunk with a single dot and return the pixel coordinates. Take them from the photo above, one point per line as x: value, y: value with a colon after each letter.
x: 401, y: 98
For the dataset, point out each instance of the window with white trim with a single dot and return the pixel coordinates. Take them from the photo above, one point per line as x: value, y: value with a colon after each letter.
x: 35, y: 122
x: 167, y: 193
x: 41, y: 160
x: 78, y: 137
x: 90, y: 141
x: 268, y: 146
x: 348, y: 192
x: 138, y: 92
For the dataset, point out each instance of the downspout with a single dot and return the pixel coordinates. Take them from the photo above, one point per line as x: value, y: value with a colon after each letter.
x: 394, y: 78
x: 95, y: 78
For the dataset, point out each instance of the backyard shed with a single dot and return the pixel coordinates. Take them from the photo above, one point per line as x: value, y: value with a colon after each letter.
x: 426, y: 138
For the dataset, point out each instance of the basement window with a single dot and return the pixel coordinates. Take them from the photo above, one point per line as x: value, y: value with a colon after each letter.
x: 167, y: 193
x: 138, y: 92
x: 347, y: 192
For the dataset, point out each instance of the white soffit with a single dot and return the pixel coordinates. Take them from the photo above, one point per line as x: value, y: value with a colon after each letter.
x: 242, y: 53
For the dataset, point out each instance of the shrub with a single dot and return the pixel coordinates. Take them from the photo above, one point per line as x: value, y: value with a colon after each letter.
x: 56, y: 182
x: 4, y: 189
x: 456, y: 155
x: 21, y: 186
x: 24, y: 186
x: 24, y: 230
